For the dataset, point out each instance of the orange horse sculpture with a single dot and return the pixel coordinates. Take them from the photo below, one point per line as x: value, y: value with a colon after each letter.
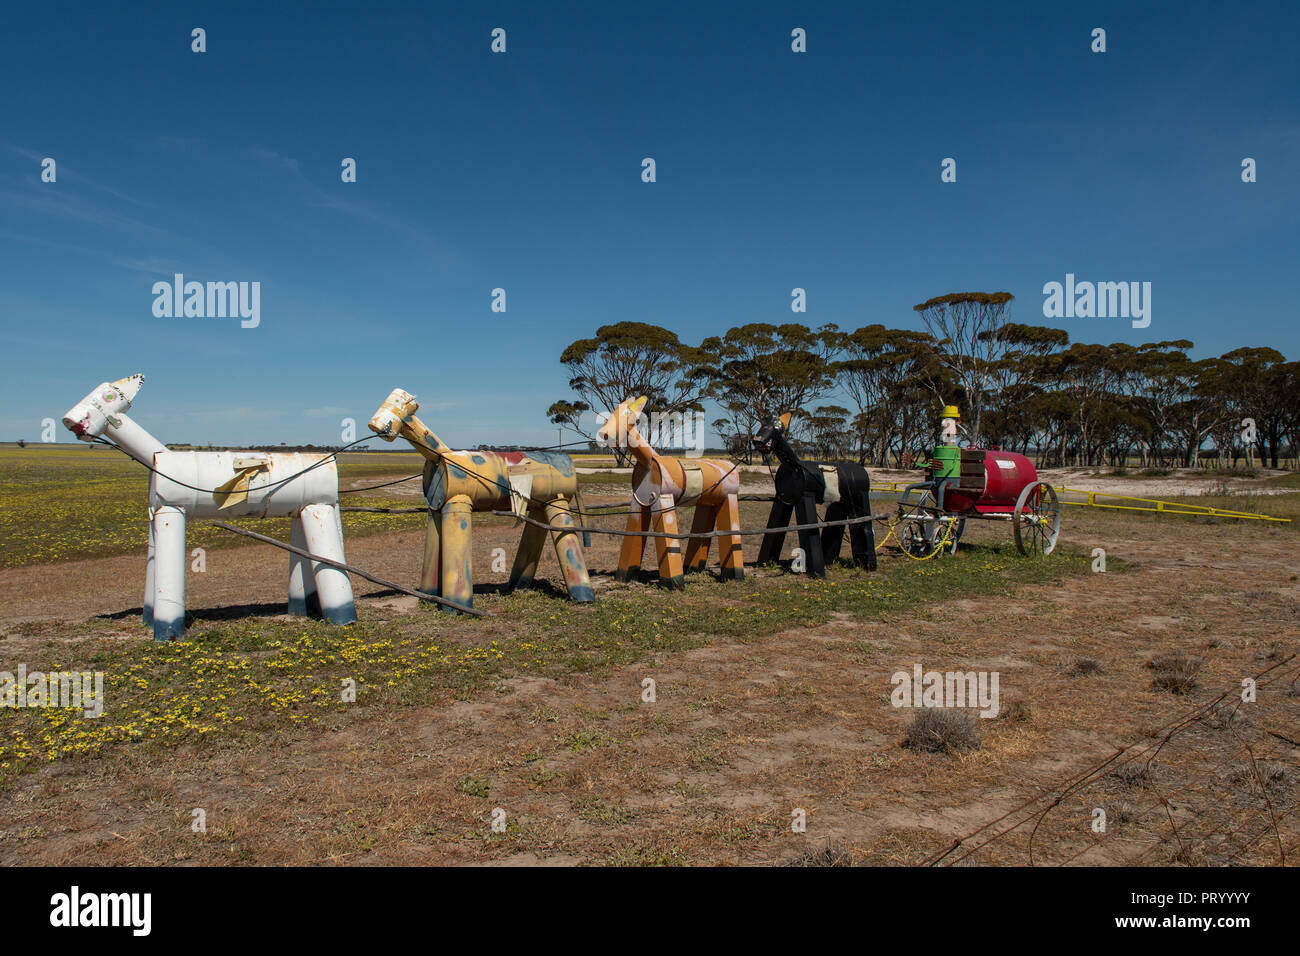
x: 659, y: 485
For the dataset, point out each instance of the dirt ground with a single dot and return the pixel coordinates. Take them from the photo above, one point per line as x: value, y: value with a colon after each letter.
x: 746, y: 736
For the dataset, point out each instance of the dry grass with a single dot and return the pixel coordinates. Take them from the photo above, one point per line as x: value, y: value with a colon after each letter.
x: 772, y: 698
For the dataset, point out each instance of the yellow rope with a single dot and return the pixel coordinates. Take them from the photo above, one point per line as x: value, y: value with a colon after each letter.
x: 893, y: 525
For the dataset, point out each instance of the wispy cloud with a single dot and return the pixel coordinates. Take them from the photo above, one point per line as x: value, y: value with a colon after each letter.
x: 320, y: 198
x: 50, y: 202
x: 152, y: 266
x: 72, y: 175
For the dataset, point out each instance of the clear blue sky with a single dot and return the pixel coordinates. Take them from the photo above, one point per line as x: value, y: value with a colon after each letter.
x: 522, y: 171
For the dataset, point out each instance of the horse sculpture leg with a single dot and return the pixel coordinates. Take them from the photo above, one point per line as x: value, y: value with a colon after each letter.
x: 669, y: 550
x: 805, y: 512
x: 862, y: 536
x: 629, y: 556
x: 146, y: 606
x: 457, y: 551
x: 731, y: 559
x: 303, y: 597
x: 774, y: 541
x: 168, y: 573
x: 569, y: 552
x: 833, y: 537
x: 697, y: 549
x: 431, y: 570
x: 322, y: 528
x: 530, y: 551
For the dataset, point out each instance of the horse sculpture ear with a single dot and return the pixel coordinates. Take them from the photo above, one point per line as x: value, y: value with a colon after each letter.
x: 129, y: 387
x: 785, y: 421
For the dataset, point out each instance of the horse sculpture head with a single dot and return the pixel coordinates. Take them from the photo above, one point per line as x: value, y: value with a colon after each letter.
x: 398, y: 406
x: 397, y: 417
x: 770, y: 438
x: 620, y: 428
x: 89, y: 417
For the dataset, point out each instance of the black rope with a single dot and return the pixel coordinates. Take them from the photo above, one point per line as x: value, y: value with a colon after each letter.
x: 577, y: 512
x: 353, y: 491
x: 351, y: 569
x: 739, y: 532
x: 386, y: 511
x: 214, y: 491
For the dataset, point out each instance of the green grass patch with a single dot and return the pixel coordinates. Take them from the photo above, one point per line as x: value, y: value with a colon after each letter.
x: 60, y: 503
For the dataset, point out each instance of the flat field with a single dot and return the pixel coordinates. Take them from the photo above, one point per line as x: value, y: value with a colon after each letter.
x: 1119, y: 691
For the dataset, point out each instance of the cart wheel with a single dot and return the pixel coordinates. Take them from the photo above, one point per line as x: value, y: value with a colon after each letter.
x: 1037, y: 519
x: 924, y: 532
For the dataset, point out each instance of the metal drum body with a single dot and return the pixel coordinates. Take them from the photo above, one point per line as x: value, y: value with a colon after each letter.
x: 706, y: 481
x: 485, y: 478
x: 988, y: 482
x: 269, y: 494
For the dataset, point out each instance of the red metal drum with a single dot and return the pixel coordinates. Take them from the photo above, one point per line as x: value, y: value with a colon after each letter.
x: 990, y: 482
x: 1006, y: 474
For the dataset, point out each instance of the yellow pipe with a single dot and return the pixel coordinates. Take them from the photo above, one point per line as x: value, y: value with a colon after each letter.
x: 457, y: 552
x: 568, y: 551
x: 1164, y: 507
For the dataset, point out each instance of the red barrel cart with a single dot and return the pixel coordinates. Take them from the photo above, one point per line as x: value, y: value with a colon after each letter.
x: 978, y: 483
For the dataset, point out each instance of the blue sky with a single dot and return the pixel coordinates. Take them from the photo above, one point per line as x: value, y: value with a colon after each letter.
x: 522, y: 171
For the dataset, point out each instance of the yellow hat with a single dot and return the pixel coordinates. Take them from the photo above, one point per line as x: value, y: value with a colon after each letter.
x: 950, y: 411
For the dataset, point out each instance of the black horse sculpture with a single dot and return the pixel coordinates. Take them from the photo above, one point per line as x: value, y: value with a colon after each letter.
x: 845, y: 489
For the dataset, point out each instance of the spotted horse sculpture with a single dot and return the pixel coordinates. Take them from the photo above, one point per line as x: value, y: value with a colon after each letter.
x: 845, y: 489
x: 661, y: 483
x: 540, y: 485
x: 220, y: 484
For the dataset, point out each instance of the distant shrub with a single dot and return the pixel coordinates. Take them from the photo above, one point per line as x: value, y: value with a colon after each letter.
x: 1256, y: 781
x: 938, y: 730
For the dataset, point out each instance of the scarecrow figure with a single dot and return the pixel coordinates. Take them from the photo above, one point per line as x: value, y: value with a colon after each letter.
x: 950, y: 426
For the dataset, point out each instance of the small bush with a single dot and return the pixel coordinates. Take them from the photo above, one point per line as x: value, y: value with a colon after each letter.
x: 1121, y: 813
x: 1270, y: 775
x: 472, y: 786
x: 1225, y: 716
x: 1082, y: 667
x: 1017, y: 711
x: 937, y: 730
x: 829, y: 855
x: 1136, y: 775
x: 1175, y: 672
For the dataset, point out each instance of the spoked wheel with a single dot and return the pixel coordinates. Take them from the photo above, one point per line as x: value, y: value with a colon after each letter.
x: 1037, y: 519
x: 929, y: 530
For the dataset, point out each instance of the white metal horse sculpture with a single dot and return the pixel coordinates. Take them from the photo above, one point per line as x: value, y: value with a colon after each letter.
x: 219, y: 484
